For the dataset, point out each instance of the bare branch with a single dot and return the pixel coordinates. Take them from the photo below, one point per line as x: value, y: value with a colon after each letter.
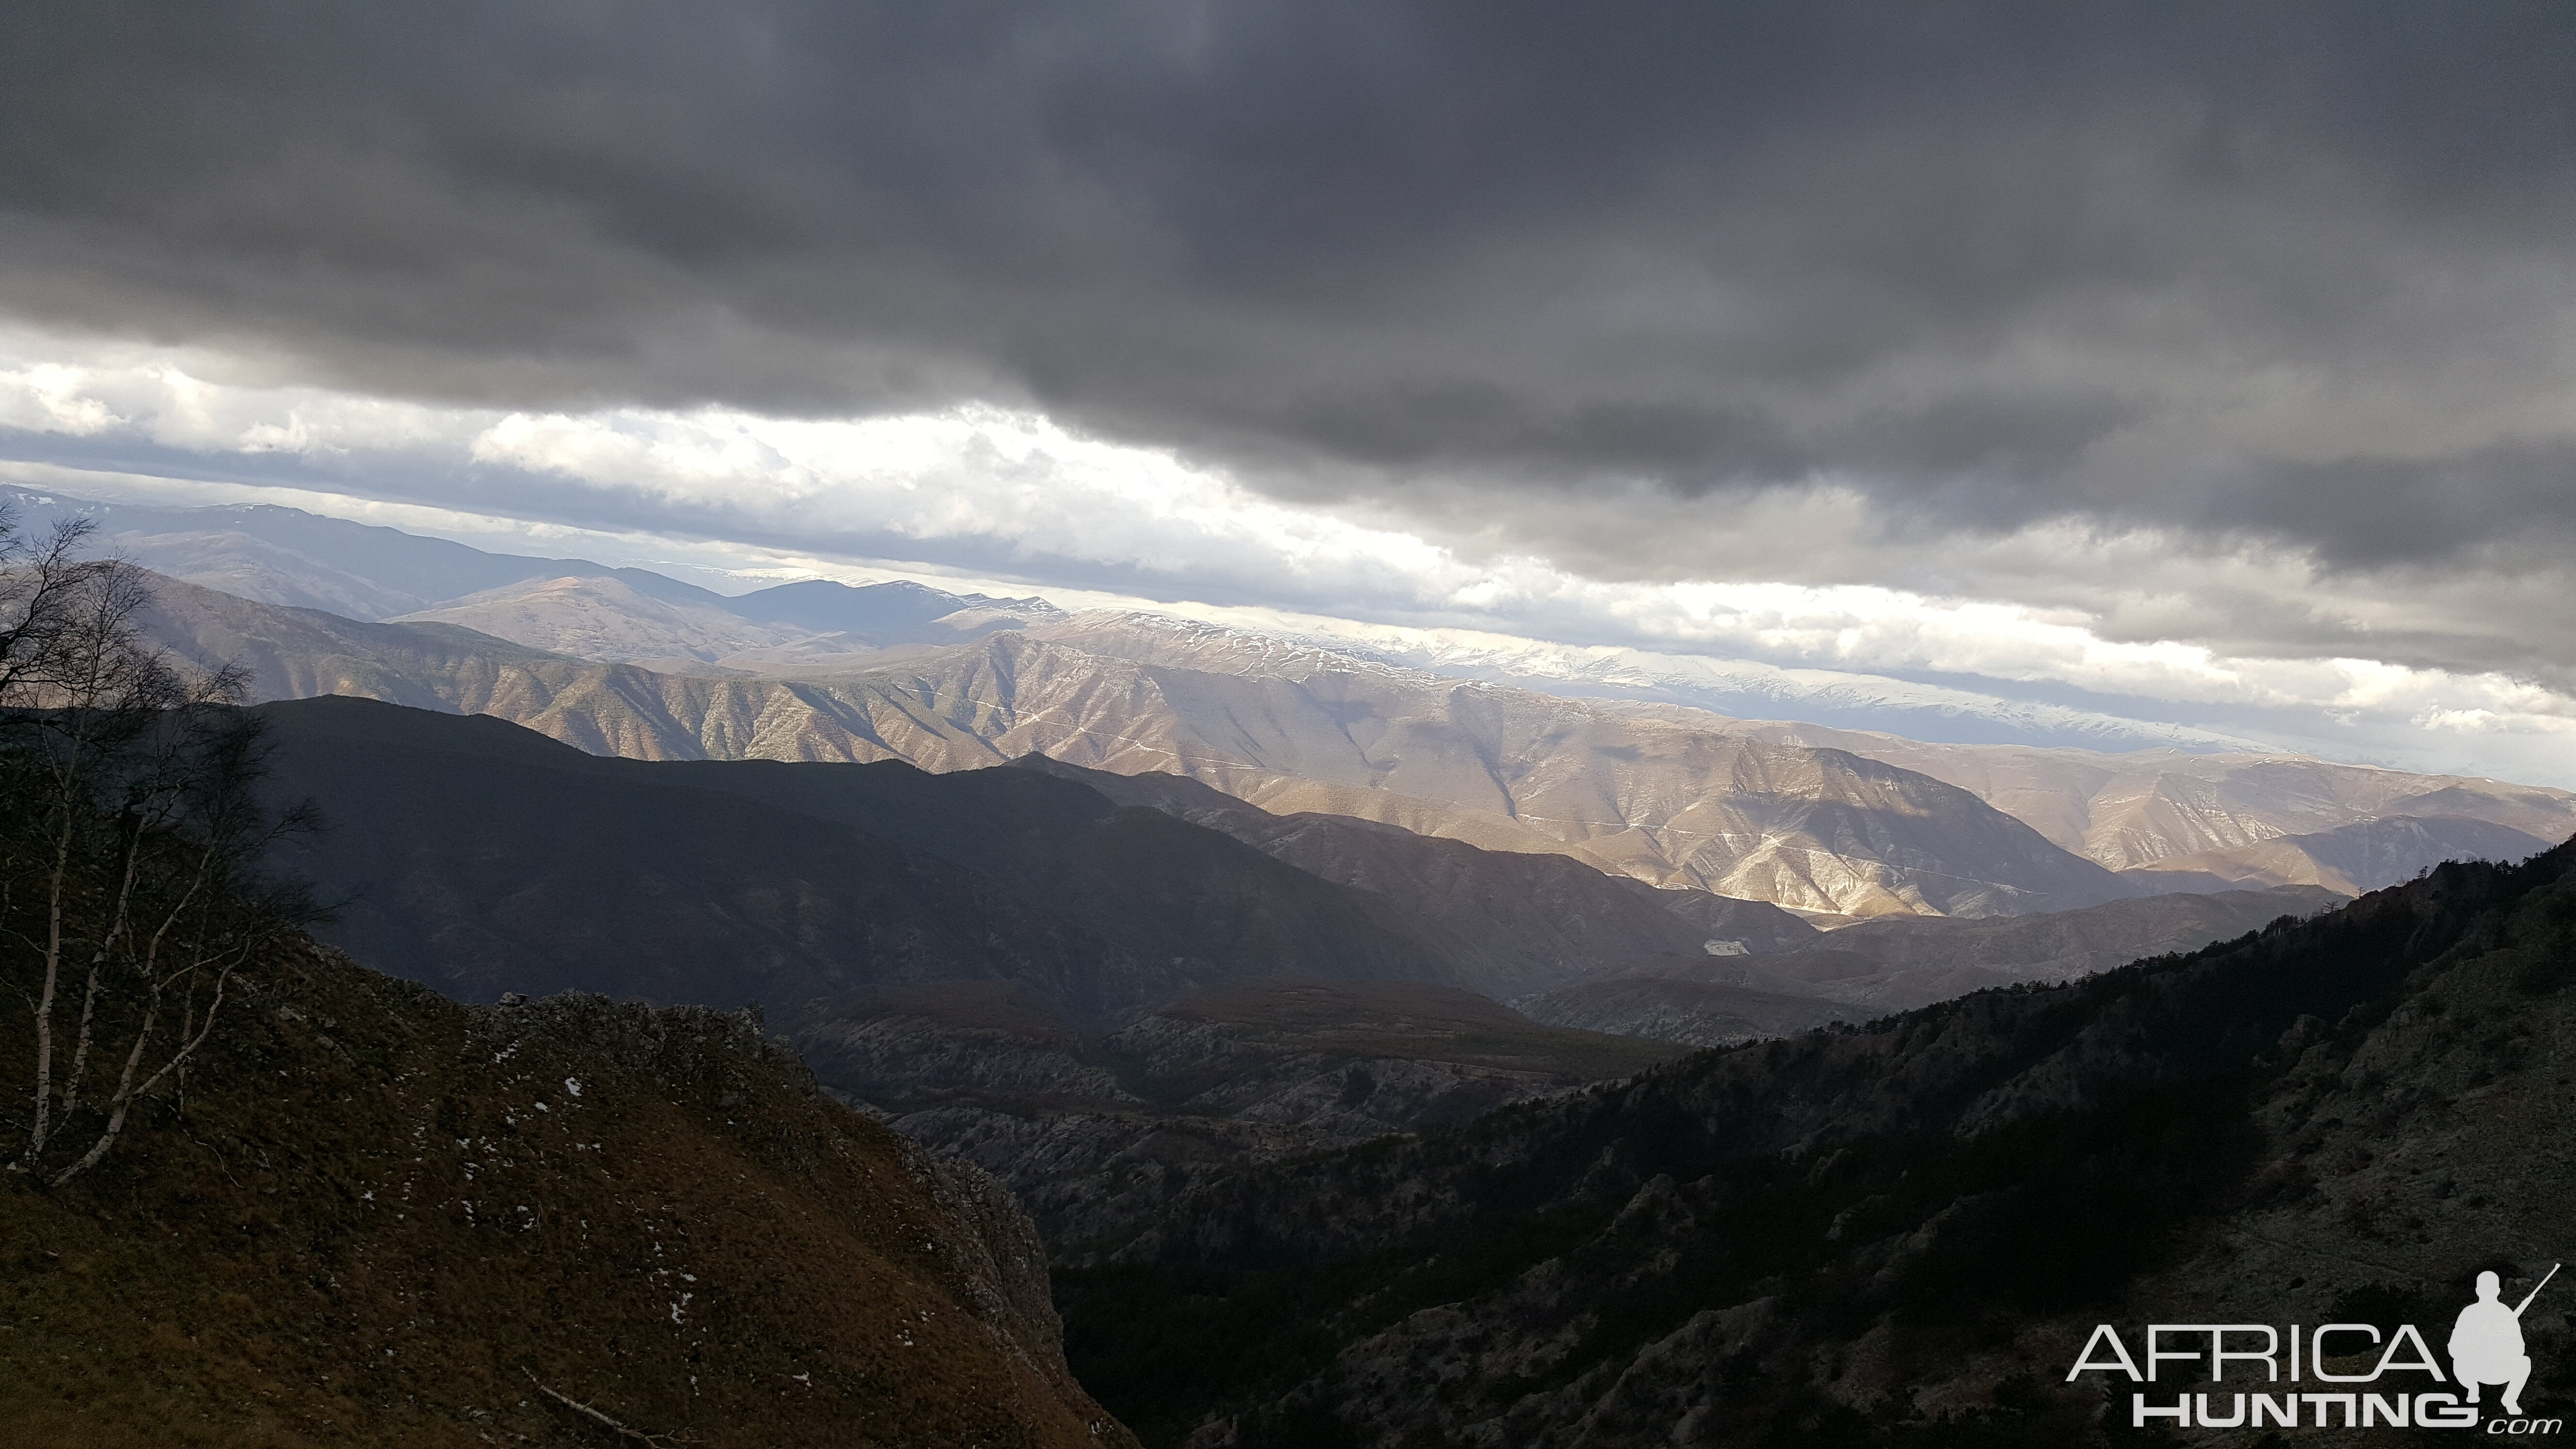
x: 595, y: 1416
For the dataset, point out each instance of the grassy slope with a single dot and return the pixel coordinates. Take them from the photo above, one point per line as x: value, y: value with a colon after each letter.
x: 385, y: 1219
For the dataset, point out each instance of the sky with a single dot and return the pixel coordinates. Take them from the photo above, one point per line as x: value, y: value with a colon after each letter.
x: 2208, y: 365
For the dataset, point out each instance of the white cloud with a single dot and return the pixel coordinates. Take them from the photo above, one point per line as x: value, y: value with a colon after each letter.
x: 48, y: 397
x: 1010, y: 499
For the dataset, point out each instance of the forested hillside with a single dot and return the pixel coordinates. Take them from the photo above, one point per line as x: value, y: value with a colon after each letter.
x: 1896, y: 1234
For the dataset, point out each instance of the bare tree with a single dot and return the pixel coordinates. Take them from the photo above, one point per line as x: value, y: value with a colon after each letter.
x: 40, y: 588
x: 130, y: 838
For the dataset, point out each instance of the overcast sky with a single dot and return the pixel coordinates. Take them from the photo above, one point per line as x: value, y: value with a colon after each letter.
x: 2172, y: 356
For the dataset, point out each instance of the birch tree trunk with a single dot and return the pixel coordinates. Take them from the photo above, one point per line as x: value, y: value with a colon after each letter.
x: 131, y: 835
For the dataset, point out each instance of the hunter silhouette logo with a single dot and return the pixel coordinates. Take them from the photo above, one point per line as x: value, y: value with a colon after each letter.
x: 2485, y: 1348
x: 2486, y: 1342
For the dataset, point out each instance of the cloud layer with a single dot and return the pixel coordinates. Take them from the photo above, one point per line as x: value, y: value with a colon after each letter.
x: 1012, y: 497
x: 2207, y: 332
x: 2293, y: 271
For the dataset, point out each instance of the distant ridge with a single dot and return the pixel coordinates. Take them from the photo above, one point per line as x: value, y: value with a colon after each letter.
x: 1670, y: 798
x: 895, y: 612
x: 625, y: 661
x: 1668, y: 804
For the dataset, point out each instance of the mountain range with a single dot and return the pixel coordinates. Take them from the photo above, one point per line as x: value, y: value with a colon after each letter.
x: 482, y: 857
x: 811, y: 626
x: 1831, y: 822
x: 1101, y: 988
x: 1009, y: 964
x: 286, y: 556
x: 1656, y: 795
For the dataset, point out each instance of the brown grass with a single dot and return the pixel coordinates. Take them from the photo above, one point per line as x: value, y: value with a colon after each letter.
x: 385, y: 1219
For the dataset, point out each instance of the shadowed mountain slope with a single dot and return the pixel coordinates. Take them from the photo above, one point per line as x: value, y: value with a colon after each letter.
x: 481, y: 857
x: 1161, y: 887
x: 1901, y: 1234
x: 1898, y: 962
x: 1523, y: 918
x: 2365, y: 856
x: 2066, y: 944
x: 387, y: 1219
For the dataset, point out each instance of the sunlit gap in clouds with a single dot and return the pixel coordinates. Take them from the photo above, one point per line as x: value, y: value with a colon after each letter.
x: 980, y: 497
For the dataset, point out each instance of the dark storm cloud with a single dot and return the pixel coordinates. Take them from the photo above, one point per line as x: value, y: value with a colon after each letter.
x: 2301, y: 272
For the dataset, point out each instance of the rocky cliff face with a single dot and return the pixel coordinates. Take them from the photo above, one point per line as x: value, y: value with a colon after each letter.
x: 379, y: 1217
